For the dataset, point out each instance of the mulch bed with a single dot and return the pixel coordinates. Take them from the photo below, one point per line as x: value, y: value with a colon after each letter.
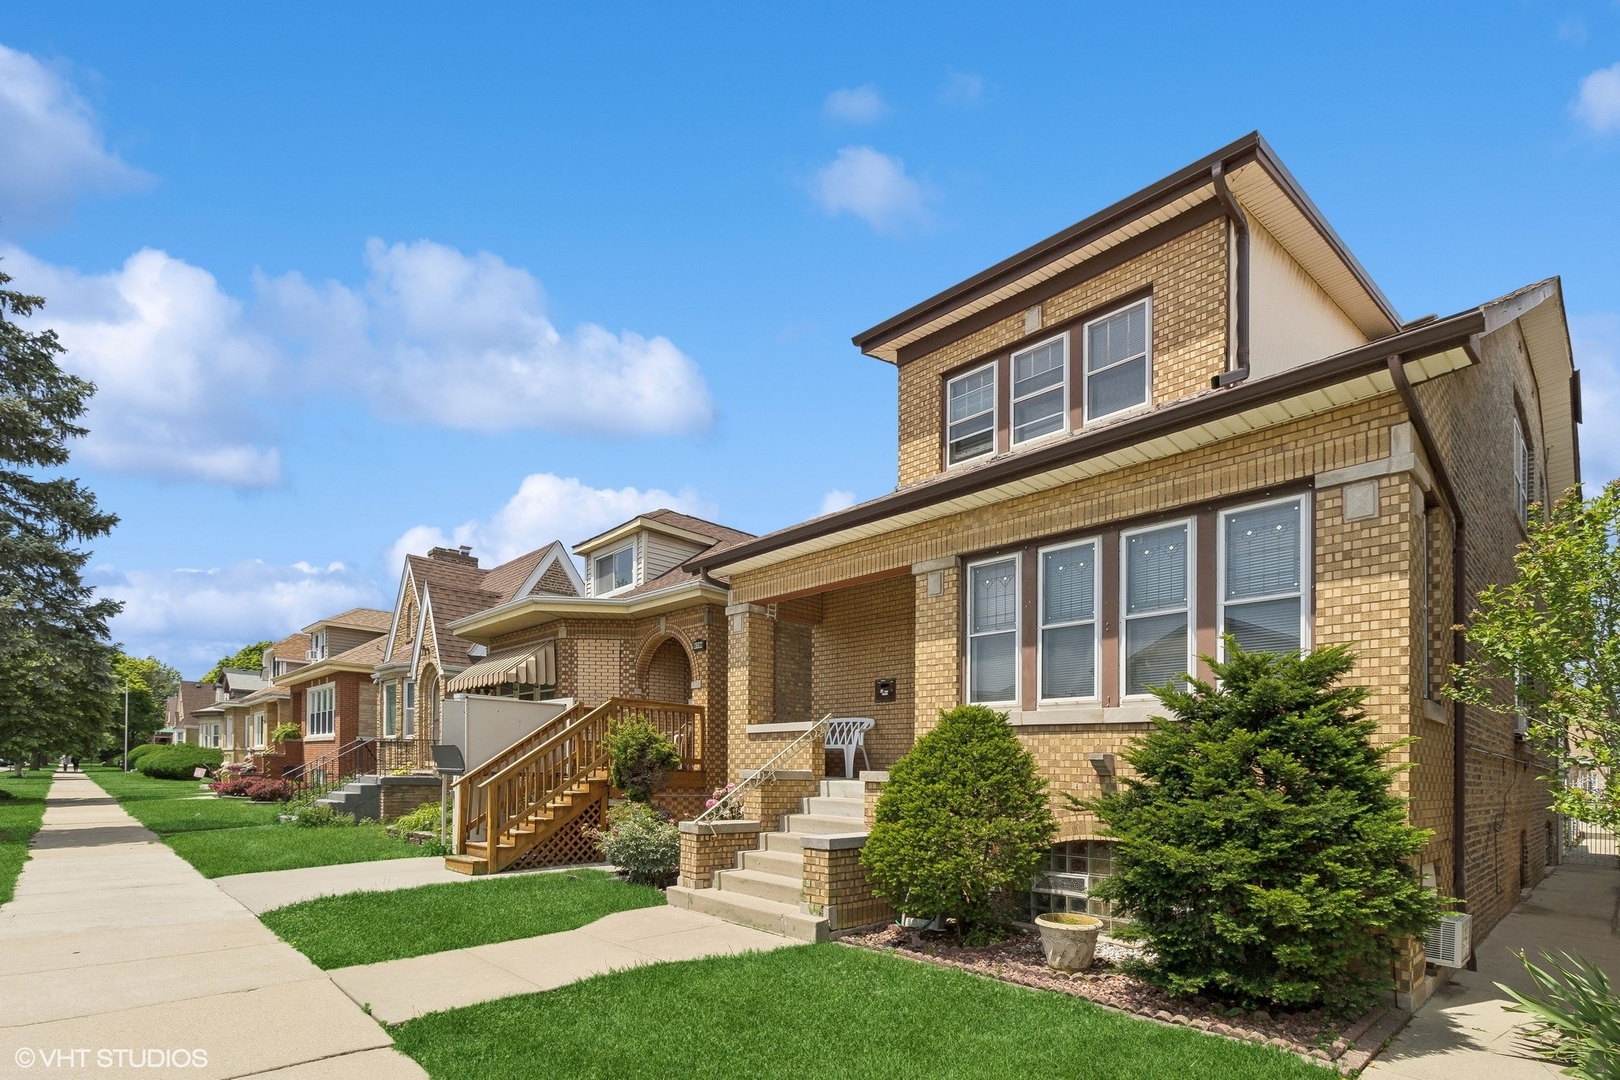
x: 1311, y: 1034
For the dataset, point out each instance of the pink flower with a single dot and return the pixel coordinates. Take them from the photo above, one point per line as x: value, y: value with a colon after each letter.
x: 711, y: 804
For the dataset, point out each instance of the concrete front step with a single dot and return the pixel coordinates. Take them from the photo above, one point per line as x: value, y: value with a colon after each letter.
x: 844, y: 789
x: 820, y: 825
x: 784, y: 890
x: 768, y: 915
x: 824, y: 806
x: 788, y: 864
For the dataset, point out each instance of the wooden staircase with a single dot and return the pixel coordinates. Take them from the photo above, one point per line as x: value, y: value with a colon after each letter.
x: 520, y: 807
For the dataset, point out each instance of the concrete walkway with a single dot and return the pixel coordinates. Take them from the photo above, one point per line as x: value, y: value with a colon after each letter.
x: 401, y: 989
x: 277, y: 888
x: 1463, y: 1030
x: 114, y: 947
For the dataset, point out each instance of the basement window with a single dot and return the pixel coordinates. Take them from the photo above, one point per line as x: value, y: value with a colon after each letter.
x: 970, y: 415
x: 1118, y: 361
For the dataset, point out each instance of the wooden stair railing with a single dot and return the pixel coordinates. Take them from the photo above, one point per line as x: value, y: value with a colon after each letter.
x: 518, y: 800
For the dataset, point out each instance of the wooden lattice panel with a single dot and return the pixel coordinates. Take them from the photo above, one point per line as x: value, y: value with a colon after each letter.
x: 569, y: 844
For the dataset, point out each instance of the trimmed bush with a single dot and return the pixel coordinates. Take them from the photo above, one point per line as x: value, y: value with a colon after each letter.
x: 1260, y: 851
x: 639, y: 758
x: 234, y: 786
x: 641, y: 843
x: 267, y: 790
x: 178, y: 762
x: 963, y: 824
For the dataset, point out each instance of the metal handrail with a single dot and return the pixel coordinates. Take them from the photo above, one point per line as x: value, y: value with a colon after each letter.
x: 765, y: 772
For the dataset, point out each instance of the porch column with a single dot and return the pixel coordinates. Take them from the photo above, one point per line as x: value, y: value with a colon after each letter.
x: 751, y: 678
x: 938, y: 648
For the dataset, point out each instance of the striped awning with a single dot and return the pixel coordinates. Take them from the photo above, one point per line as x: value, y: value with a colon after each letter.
x: 531, y: 665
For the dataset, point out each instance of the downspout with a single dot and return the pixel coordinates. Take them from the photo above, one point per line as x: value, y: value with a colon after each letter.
x: 1459, y: 612
x: 1240, y: 224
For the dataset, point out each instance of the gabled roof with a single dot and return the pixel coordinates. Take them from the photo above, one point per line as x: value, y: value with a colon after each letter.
x: 360, y: 618
x: 291, y: 647
x: 360, y: 659
x: 241, y: 680
x: 669, y: 522
x: 1260, y: 182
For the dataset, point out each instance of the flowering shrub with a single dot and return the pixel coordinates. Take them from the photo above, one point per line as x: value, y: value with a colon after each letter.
x: 731, y: 811
x: 265, y: 790
x: 234, y: 786
x: 645, y: 847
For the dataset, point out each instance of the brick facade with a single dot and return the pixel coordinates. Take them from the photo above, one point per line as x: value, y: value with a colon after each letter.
x: 836, y: 885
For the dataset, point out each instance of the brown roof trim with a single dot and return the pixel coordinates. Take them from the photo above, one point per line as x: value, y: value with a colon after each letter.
x: 1423, y: 340
x: 1178, y: 184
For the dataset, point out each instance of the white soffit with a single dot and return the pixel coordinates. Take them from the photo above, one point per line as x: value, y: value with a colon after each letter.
x: 1263, y: 197
x: 1167, y: 445
x: 890, y: 350
x: 1539, y: 310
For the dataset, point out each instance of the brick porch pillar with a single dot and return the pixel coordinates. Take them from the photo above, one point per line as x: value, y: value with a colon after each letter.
x: 751, y: 679
x: 938, y: 647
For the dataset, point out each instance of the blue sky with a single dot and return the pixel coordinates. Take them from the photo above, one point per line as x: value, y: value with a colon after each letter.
x: 355, y: 279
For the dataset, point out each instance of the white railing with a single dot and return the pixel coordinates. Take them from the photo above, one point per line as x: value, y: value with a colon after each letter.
x: 720, y: 810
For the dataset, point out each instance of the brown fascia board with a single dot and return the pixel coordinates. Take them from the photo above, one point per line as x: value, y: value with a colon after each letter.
x: 1422, y: 340
x: 1250, y: 147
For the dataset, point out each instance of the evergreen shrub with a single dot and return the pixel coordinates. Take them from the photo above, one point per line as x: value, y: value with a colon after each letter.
x: 1260, y: 853
x: 639, y: 758
x: 178, y: 762
x: 963, y: 823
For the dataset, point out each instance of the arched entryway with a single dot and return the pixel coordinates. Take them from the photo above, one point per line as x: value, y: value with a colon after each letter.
x: 669, y: 674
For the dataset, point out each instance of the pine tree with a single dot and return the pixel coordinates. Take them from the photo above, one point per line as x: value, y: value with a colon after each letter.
x: 55, y: 662
x: 1261, y: 854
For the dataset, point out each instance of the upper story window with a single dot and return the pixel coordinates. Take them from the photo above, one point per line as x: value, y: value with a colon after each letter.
x: 320, y: 710
x: 1157, y: 601
x: 1523, y: 471
x: 993, y: 631
x: 1069, y: 639
x: 971, y: 415
x: 1039, y: 384
x: 615, y: 570
x: 1262, y: 580
x: 1118, y: 364
x: 317, y: 645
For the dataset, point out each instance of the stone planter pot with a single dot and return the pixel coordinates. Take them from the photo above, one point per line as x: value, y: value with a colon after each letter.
x: 912, y: 922
x: 1069, y: 938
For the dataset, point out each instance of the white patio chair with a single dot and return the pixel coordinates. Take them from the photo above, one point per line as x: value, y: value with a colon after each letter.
x: 848, y: 733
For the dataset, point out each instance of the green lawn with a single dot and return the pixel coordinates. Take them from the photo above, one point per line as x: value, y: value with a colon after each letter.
x: 233, y: 836
x: 818, y: 1011
x: 19, y: 820
x: 368, y: 927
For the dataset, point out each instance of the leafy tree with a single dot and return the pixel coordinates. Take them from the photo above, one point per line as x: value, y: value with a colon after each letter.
x: 1260, y: 852
x: 247, y: 658
x: 963, y: 823
x: 150, y: 681
x: 55, y: 662
x: 1547, y: 647
x: 639, y: 758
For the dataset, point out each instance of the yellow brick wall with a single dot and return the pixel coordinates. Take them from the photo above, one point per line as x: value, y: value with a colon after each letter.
x: 866, y: 634
x: 703, y: 853
x: 1188, y: 276
x: 836, y: 885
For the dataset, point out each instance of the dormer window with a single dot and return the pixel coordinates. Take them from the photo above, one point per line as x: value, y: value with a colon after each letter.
x: 317, y: 645
x: 615, y: 570
x: 972, y: 415
x: 1038, y: 390
x: 1118, y: 361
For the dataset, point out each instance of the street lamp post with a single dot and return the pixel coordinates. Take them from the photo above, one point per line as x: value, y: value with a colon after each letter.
x: 126, y: 725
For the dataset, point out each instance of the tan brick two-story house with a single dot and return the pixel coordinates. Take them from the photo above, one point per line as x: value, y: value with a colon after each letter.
x: 1191, y: 414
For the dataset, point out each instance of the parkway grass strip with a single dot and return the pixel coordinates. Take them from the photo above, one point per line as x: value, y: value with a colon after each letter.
x: 22, y: 808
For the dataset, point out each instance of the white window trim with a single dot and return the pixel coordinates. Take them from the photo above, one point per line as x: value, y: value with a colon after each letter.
x: 1086, y: 419
x: 1096, y: 618
x: 407, y: 709
x: 309, y: 696
x: 1306, y: 516
x: 1191, y: 606
x: 390, y: 719
x: 596, y: 581
x: 968, y: 635
x: 1523, y: 471
x: 995, y: 414
x: 1012, y: 402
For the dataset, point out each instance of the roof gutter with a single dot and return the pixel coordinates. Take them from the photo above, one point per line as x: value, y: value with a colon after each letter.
x: 1240, y: 224
x: 1459, y: 612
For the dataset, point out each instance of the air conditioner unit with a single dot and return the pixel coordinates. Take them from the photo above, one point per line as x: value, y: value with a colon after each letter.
x: 1450, y: 943
x: 1521, y: 728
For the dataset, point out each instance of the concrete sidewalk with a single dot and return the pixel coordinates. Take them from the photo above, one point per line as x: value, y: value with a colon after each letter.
x: 1463, y: 1030
x: 271, y: 889
x: 114, y: 943
x: 399, y: 990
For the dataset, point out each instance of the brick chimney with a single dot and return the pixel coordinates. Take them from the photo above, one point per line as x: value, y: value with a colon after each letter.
x: 462, y: 555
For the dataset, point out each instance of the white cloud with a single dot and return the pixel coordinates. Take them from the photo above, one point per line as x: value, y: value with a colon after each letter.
x: 190, y: 618
x: 50, y: 147
x: 962, y: 88
x: 1598, y: 103
x: 463, y: 342
x: 856, y: 105
x: 1596, y: 341
x: 176, y: 366
x: 836, y: 500
x: 871, y: 185
x: 546, y: 507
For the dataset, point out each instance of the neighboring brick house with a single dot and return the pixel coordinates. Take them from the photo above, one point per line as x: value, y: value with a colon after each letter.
x: 1191, y: 413
x: 251, y: 718
x: 180, y: 720
x: 331, y: 696
x: 645, y: 627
